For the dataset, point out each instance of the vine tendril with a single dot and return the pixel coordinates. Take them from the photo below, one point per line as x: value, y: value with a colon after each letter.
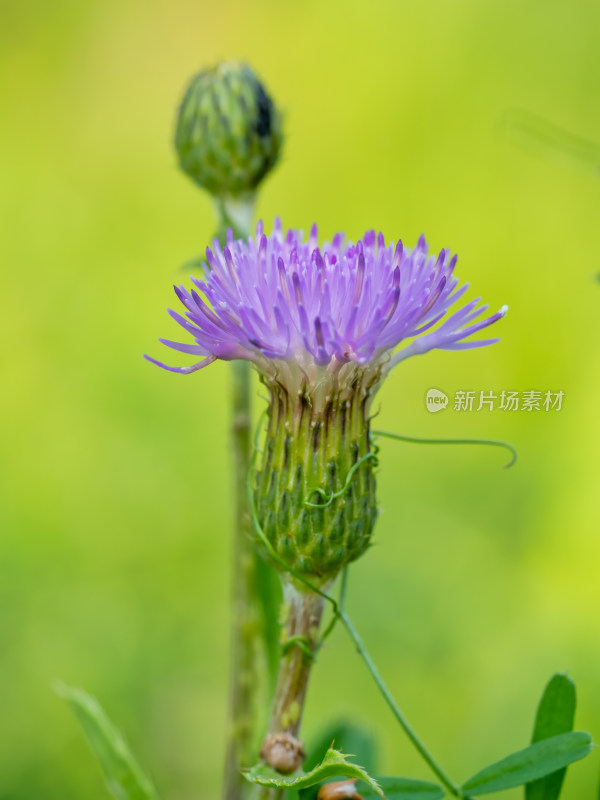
x: 417, y: 440
x: 302, y: 643
x: 341, y: 491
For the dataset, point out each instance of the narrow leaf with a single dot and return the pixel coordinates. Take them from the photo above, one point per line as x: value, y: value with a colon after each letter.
x: 124, y: 777
x: 533, y: 762
x: 334, y: 765
x: 406, y: 789
x: 555, y: 715
x: 268, y: 587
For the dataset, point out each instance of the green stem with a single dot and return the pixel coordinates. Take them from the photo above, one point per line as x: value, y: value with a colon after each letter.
x: 338, y: 611
x: 245, y: 631
x: 235, y: 213
x: 244, y: 678
x: 301, y: 617
x: 449, y: 784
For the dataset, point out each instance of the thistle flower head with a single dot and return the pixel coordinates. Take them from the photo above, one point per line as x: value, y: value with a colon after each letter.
x: 322, y: 325
x: 229, y: 131
x: 293, y: 308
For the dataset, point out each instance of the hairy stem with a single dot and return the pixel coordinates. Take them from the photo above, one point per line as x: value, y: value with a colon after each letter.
x: 301, y: 618
x: 244, y: 678
x: 245, y: 632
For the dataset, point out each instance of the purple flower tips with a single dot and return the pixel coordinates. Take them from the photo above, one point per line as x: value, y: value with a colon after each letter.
x: 282, y: 302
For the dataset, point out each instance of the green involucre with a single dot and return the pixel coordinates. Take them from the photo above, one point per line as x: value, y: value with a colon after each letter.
x: 314, y: 489
x: 229, y: 131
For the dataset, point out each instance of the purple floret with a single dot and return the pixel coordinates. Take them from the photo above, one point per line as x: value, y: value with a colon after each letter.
x: 284, y: 298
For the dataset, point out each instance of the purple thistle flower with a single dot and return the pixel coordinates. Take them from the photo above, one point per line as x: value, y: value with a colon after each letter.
x: 281, y: 298
x: 322, y: 325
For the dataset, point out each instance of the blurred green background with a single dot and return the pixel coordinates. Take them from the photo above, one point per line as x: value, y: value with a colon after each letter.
x: 115, y: 478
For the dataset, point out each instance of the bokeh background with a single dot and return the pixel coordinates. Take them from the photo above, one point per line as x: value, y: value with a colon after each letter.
x: 115, y: 477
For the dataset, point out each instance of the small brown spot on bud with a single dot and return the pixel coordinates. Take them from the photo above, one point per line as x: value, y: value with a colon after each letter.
x: 339, y: 790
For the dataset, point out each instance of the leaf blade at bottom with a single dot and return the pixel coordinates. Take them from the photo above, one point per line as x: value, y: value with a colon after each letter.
x: 124, y: 776
x: 535, y: 761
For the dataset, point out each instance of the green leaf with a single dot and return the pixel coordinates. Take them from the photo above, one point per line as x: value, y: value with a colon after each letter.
x: 124, y: 777
x: 334, y: 765
x: 347, y: 737
x: 535, y: 761
x: 556, y: 710
x: 555, y: 715
x: 268, y: 587
x: 406, y: 789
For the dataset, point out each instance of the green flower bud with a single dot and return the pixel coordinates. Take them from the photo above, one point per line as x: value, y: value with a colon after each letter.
x: 229, y: 131
x: 315, y: 488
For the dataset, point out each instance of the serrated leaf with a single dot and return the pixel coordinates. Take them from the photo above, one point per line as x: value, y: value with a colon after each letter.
x: 347, y: 737
x: 344, y: 736
x: 124, y: 777
x: 555, y: 715
x: 535, y: 761
x: 406, y: 789
x: 334, y: 765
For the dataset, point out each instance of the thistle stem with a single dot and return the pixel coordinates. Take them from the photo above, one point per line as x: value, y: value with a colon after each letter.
x: 301, y: 618
x: 245, y: 632
x: 244, y: 679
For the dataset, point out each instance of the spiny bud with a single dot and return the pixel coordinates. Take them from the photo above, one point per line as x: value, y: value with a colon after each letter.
x: 315, y: 488
x: 229, y: 131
